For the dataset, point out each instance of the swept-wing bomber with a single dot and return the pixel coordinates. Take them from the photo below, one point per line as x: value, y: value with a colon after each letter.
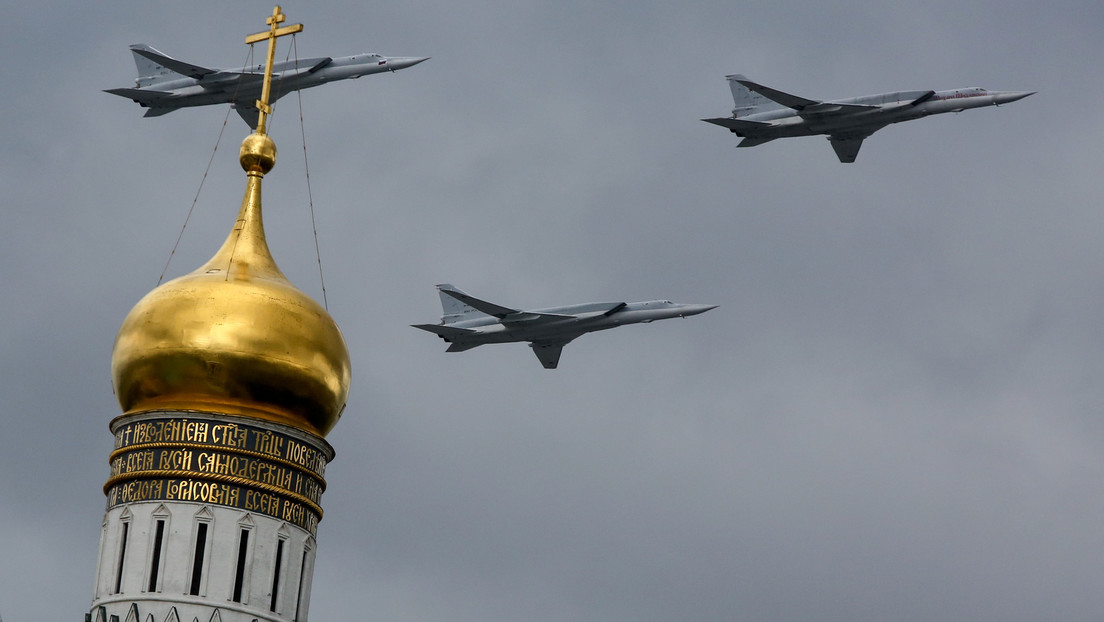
x: 165, y: 84
x: 763, y: 114
x: 467, y: 322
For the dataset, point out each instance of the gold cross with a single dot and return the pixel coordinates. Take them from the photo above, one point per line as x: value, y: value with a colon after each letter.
x: 273, y: 32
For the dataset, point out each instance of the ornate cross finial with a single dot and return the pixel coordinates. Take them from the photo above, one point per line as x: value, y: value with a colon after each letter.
x: 273, y: 32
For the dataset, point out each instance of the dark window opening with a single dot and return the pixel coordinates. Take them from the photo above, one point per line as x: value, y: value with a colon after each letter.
x: 302, y: 584
x: 276, y: 575
x: 239, y: 574
x: 197, y: 563
x: 155, y: 564
x: 122, y: 558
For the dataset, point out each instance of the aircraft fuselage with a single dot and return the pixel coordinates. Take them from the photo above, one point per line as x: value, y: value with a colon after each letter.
x: 287, y: 76
x: 165, y: 84
x: 468, y: 322
x: 579, y: 319
x: 763, y: 114
x: 889, y: 108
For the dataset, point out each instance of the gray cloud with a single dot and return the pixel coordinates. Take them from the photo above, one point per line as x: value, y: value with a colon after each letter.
x: 894, y: 414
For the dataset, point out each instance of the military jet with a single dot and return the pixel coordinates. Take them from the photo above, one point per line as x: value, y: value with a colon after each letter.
x: 763, y: 114
x: 468, y: 322
x: 165, y: 84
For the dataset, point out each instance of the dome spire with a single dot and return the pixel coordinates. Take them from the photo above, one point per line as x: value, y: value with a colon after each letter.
x: 229, y: 379
x: 235, y: 335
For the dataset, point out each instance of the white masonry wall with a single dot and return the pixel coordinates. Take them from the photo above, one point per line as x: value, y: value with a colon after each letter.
x: 218, y: 571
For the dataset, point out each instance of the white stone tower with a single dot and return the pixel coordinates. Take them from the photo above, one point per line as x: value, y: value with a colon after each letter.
x: 229, y: 378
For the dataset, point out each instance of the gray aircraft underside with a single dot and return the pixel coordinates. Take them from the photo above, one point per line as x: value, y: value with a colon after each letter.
x: 165, y: 84
x: 763, y: 114
x: 468, y: 322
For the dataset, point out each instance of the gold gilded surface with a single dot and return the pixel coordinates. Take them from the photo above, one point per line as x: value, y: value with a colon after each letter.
x: 257, y: 154
x: 237, y: 336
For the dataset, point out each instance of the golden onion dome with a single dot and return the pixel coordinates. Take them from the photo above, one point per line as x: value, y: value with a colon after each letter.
x: 235, y: 336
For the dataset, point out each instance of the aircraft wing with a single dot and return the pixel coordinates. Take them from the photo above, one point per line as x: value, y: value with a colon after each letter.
x: 186, y: 69
x: 827, y: 109
x: 752, y: 142
x: 847, y: 149
x: 615, y: 308
x: 480, y: 305
x: 806, y: 107
x: 158, y: 111
x: 525, y: 317
x: 220, y: 78
x: 548, y: 352
x: 846, y: 144
x: 923, y: 98
x: 326, y: 61
x: 248, y: 113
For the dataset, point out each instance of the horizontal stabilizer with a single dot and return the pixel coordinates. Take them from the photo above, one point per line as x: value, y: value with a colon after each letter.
x: 143, y: 96
x: 446, y: 332
x: 738, y: 125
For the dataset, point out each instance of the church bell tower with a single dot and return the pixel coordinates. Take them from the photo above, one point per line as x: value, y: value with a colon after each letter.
x: 229, y: 379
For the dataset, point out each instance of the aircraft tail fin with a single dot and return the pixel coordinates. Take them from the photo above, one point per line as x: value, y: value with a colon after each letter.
x: 458, y: 305
x: 155, y: 66
x: 149, y: 71
x: 747, y: 101
x: 452, y: 309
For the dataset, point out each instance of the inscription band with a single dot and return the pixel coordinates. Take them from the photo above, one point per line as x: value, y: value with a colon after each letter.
x: 214, y: 477
x: 231, y: 450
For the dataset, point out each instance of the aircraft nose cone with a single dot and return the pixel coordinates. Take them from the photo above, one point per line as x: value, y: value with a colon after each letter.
x: 696, y: 309
x: 396, y: 64
x: 1012, y: 96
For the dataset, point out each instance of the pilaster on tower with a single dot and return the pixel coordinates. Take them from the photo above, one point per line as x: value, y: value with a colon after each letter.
x: 229, y: 378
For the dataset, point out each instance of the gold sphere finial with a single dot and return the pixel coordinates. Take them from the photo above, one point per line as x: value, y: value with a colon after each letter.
x: 257, y: 154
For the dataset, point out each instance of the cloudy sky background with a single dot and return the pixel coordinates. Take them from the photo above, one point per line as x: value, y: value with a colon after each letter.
x: 895, y: 413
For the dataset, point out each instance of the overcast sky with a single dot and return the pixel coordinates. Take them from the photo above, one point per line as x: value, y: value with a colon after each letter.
x: 896, y: 413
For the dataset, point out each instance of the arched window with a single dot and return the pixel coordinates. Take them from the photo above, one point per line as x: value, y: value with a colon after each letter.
x: 124, y: 535
x: 202, y: 524
x: 160, y: 523
x: 241, y: 566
